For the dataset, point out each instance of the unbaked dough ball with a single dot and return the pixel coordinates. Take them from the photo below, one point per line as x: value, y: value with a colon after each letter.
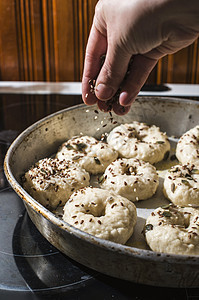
x: 131, y: 178
x: 187, y: 150
x: 52, y: 181
x: 173, y: 229
x: 139, y: 140
x: 181, y: 185
x: 101, y: 213
x: 92, y: 155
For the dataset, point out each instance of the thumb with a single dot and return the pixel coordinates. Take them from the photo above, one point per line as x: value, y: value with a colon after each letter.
x: 112, y: 73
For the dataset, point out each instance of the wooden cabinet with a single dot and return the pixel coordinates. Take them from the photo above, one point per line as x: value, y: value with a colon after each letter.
x: 45, y: 40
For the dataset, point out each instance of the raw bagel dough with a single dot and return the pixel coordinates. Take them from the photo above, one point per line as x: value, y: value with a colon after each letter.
x: 173, y: 230
x: 52, y: 181
x: 138, y: 140
x: 181, y: 185
x: 92, y: 155
x: 131, y: 178
x: 101, y: 213
x: 187, y: 150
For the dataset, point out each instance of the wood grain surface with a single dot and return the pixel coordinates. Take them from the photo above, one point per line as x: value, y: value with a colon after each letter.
x: 45, y: 40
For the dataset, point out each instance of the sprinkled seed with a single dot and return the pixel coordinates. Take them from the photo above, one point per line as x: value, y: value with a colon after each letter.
x: 69, y: 147
x: 76, y: 157
x: 173, y: 187
x: 166, y: 214
x: 90, y: 220
x: 160, y: 142
x: 148, y: 227
x: 195, y: 171
x: 130, y: 135
x: 81, y: 146
x: 97, y: 161
x: 101, y: 179
x: 110, y: 199
x: 82, y: 221
x: 185, y: 182
x: 99, y: 222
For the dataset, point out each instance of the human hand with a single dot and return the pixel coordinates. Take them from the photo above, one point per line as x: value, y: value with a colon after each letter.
x: 134, y: 35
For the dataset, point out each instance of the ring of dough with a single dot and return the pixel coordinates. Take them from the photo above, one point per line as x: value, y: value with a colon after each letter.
x: 173, y: 229
x: 181, y: 185
x: 92, y: 155
x: 187, y: 149
x: 101, y: 213
x: 131, y: 178
x: 138, y: 140
x: 51, y: 181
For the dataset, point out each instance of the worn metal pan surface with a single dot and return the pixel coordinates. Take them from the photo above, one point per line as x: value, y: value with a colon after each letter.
x: 134, y: 261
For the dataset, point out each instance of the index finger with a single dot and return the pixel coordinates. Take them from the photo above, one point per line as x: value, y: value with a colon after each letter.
x: 96, y: 48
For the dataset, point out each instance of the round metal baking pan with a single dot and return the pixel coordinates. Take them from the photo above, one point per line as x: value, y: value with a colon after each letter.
x: 133, y: 262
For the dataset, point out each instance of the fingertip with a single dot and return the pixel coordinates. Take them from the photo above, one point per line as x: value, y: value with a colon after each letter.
x: 120, y: 110
x: 104, y: 106
x: 125, y: 99
x: 104, y: 92
x: 89, y: 99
